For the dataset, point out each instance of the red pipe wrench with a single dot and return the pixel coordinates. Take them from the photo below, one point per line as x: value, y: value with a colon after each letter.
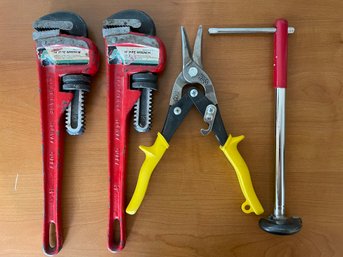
x: 66, y: 59
x: 134, y: 57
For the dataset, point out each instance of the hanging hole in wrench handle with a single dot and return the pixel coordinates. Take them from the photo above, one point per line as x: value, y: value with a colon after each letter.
x: 52, y: 235
x: 280, y: 53
x: 116, y: 235
x: 209, y: 117
x: 52, y: 240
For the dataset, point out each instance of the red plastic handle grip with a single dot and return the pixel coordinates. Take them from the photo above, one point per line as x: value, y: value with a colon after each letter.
x: 280, y: 53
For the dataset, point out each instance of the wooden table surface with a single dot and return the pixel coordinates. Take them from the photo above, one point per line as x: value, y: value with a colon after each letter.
x: 192, y: 207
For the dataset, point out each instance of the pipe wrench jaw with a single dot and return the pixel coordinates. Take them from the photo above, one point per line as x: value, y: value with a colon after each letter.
x: 65, y: 59
x: 130, y: 40
x: 59, y: 23
x: 61, y: 42
x: 129, y: 21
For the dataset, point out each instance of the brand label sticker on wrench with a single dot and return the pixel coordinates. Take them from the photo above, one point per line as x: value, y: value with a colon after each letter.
x: 139, y: 55
x: 63, y: 55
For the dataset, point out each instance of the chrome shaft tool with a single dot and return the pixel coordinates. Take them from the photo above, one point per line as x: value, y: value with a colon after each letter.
x: 66, y: 59
x: 278, y: 222
x: 181, y: 101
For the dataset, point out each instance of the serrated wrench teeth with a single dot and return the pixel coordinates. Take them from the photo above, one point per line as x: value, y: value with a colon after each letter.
x: 143, y: 111
x: 75, y: 114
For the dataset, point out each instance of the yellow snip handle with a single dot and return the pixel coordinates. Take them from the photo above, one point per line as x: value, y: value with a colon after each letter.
x: 252, y: 204
x: 153, y: 155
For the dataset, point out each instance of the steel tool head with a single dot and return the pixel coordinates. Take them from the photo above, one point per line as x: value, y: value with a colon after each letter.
x: 197, y: 47
x: 186, y: 49
x: 192, y: 69
x: 60, y: 22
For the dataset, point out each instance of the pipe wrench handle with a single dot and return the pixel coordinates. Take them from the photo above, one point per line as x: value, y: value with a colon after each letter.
x: 120, y: 102
x: 52, y: 227
x: 251, y: 204
x: 53, y: 105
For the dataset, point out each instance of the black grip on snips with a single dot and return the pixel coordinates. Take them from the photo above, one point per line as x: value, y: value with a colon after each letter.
x: 148, y: 25
x: 68, y: 22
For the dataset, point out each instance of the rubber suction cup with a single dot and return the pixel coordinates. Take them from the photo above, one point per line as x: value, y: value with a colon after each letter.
x: 281, y: 226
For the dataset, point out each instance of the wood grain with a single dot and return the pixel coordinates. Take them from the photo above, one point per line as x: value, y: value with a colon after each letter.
x: 193, y: 203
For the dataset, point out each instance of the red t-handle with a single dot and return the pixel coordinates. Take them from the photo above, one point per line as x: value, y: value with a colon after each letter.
x: 280, y: 53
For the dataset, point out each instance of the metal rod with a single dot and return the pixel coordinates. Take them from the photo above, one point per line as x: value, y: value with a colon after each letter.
x: 279, y: 210
x: 245, y: 30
